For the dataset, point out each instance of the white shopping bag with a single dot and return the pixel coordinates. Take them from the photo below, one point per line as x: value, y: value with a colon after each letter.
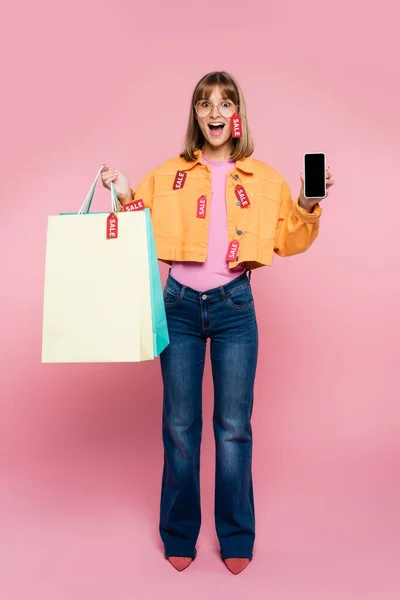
x: 97, y: 291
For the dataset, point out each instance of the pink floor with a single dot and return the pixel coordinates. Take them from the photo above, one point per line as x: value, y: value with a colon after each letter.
x: 83, y: 524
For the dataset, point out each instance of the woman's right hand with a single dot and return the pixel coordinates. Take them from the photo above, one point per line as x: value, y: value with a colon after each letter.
x: 122, y: 187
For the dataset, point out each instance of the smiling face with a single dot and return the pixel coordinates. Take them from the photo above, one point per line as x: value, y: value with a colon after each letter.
x: 215, y: 128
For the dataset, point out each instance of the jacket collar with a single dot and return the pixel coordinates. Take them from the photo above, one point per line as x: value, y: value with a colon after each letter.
x: 246, y: 164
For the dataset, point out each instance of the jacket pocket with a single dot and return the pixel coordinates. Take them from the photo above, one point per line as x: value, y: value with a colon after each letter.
x: 263, y: 219
x: 169, y: 213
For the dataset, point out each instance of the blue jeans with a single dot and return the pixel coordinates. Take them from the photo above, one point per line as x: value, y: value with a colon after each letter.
x: 227, y: 316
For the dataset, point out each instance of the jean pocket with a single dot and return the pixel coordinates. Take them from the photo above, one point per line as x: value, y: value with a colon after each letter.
x: 241, y: 298
x: 171, y: 297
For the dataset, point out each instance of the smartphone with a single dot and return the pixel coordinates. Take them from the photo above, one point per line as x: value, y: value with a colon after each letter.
x: 314, y: 175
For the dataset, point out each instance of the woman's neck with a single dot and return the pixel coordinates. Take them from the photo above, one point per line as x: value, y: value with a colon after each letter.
x: 218, y: 154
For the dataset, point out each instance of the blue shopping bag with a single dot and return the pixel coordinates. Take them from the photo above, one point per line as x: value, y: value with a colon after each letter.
x: 160, y: 328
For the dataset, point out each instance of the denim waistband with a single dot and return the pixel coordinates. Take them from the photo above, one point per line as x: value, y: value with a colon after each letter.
x: 219, y: 292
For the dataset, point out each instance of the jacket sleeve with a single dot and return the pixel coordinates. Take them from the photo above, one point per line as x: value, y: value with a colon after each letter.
x: 145, y: 190
x: 297, y: 228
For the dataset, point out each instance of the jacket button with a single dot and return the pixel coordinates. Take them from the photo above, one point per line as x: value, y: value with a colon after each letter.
x: 237, y: 202
x: 236, y: 176
x: 239, y: 232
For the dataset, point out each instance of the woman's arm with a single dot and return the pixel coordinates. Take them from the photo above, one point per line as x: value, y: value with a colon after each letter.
x: 297, y: 228
x: 143, y: 192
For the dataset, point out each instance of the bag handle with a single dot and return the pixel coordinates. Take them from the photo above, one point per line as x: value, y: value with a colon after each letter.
x: 115, y: 205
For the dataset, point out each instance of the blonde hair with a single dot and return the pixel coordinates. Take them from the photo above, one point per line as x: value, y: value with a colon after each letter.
x: 194, y: 139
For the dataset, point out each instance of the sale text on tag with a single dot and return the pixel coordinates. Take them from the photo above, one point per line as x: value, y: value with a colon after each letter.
x: 135, y: 205
x: 232, y: 251
x: 236, y: 123
x: 179, y: 182
x: 201, y: 207
x: 242, y: 196
x: 112, y: 226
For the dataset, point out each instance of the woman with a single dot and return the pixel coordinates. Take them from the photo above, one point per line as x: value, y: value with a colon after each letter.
x: 217, y: 214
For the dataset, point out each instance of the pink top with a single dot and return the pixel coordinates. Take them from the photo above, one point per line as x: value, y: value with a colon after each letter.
x: 215, y: 270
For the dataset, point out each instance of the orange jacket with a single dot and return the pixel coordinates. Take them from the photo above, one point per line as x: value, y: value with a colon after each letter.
x: 272, y: 222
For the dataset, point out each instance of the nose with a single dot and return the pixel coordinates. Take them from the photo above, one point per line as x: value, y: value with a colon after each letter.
x: 215, y: 112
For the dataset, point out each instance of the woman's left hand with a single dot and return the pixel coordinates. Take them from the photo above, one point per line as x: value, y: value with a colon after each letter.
x: 309, y: 203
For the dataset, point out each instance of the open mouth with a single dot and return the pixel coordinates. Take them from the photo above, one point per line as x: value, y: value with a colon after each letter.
x: 216, y: 128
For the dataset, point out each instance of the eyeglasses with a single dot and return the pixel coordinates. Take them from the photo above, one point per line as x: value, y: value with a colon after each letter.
x: 226, y: 108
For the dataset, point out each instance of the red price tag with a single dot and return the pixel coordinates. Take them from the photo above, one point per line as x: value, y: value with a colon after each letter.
x: 179, y: 182
x: 237, y: 129
x: 135, y: 205
x: 112, y: 226
x: 242, y: 196
x: 232, y: 251
x: 201, y: 207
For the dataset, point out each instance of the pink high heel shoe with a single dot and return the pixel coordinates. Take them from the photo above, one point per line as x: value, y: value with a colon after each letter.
x: 236, y: 565
x: 180, y: 562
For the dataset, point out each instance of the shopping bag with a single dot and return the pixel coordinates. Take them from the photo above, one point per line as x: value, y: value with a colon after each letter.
x: 102, y: 291
x: 159, y: 321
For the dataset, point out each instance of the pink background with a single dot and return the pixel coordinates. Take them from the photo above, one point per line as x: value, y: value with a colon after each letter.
x: 80, y: 446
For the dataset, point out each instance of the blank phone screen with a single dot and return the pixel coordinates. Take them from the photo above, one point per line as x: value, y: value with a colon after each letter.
x: 314, y: 175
